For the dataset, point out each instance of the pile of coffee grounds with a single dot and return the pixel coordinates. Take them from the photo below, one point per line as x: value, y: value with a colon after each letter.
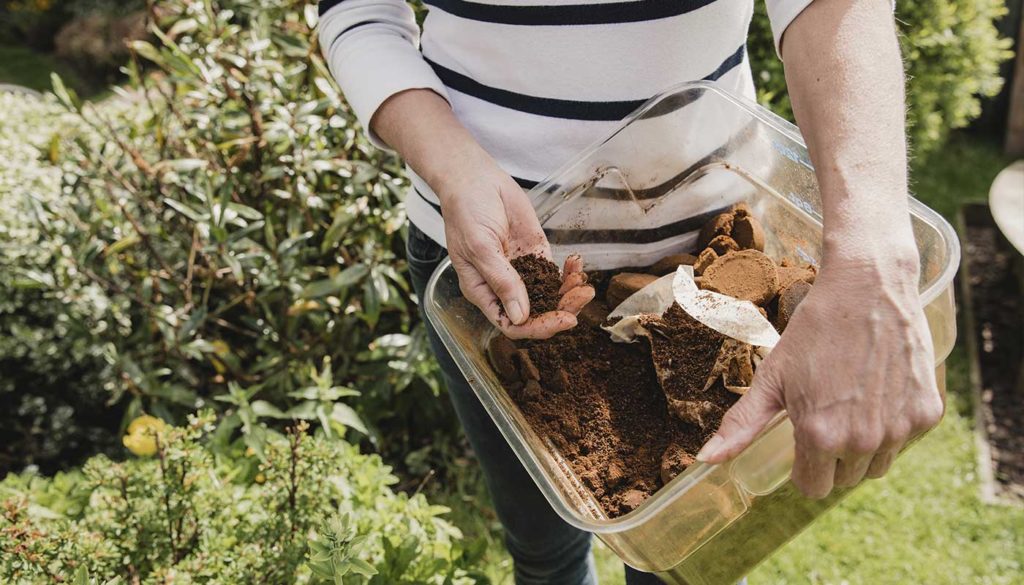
x: 601, y: 406
x: 630, y: 417
x: 683, y: 351
x: 542, y: 280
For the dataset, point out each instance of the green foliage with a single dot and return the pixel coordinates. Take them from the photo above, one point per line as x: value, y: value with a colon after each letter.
x: 952, y: 52
x: 53, y: 369
x: 241, y: 237
x: 314, y: 511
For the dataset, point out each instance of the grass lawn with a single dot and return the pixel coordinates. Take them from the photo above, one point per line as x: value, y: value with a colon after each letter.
x: 924, y: 522
x: 22, y: 66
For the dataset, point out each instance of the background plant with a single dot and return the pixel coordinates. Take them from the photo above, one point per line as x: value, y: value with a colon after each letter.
x: 244, y: 234
x: 54, y: 371
x: 195, y: 512
x: 952, y: 52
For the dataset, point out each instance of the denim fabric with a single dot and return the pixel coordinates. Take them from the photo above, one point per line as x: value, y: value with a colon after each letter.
x: 546, y: 550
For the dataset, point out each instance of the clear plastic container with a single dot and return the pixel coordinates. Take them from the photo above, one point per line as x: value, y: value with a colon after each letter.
x: 639, y: 195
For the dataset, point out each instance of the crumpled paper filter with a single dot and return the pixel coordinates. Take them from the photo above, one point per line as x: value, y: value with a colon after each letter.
x: 750, y: 336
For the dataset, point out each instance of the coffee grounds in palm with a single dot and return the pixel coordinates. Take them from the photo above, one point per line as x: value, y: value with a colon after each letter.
x: 542, y: 280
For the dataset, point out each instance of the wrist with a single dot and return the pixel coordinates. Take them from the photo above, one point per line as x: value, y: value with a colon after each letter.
x: 421, y: 126
x: 459, y: 171
x: 871, y: 258
x: 869, y: 229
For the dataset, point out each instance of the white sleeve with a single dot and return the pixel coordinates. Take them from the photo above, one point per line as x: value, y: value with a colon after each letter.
x: 372, y: 49
x: 782, y: 13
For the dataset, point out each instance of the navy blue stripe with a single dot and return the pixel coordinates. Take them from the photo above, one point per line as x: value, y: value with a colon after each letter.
x: 556, y: 108
x: 353, y: 27
x: 570, y: 14
x: 630, y: 236
x: 436, y: 207
x: 526, y: 183
x: 325, y: 5
x: 563, y: 237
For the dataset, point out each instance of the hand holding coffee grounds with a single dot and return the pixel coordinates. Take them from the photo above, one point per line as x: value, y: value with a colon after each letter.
x: 628, y: 418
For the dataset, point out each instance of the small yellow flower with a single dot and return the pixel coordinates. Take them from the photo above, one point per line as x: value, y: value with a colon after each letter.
x: 221, y: 347
x: 220, y: 352
x: 141, y: 437
x: 260, y: 478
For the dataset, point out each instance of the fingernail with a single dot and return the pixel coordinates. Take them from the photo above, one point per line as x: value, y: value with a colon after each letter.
x: 515, y: 312
x: 710, y: 449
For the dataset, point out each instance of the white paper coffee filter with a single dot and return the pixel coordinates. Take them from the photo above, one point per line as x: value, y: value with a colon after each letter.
x: 737, y: 319
x: 653, y: 299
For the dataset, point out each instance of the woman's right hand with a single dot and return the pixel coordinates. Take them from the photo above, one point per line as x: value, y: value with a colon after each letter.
x: 488, y: 221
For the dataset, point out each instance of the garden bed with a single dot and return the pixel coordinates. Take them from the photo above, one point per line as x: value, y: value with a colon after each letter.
x: 991, y: 285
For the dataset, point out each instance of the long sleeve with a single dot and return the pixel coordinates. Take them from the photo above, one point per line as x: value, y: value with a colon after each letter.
x: 371, y: 48
x: 782, y: 13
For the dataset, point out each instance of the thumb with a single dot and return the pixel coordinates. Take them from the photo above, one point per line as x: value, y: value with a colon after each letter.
x: 506, y: 284
x: 746, y: 419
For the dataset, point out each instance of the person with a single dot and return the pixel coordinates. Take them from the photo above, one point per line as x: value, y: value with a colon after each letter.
x: 501, y: 92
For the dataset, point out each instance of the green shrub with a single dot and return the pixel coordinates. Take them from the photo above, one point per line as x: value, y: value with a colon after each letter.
x: 52, y: 384
x: 196, y: 511
x: 244, y: 235
x: 952, y: 52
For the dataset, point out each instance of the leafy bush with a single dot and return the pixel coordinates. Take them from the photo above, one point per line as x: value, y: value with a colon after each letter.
x: 245, y: 238
x: 53, y: 370
x: 952, y: 52
x: 197, y: 511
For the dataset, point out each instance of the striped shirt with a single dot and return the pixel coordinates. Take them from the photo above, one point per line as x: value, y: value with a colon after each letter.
x: 535, y: 81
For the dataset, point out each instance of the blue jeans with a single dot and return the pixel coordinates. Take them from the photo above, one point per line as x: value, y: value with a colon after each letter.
x: 545, y: 549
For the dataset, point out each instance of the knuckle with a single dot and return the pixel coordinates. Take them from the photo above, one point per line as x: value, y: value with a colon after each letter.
x: 477, y: 295
x: 735, y: 418
x: 820, y: 435
x: 810, y: 488
x: 929, y: 414
x: 864, y: 442
x: 743, y: 414
x: 468, y: 291
x: 897, y: 434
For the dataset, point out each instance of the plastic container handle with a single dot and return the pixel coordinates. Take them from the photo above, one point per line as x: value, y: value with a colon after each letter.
x: 764, y: 466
